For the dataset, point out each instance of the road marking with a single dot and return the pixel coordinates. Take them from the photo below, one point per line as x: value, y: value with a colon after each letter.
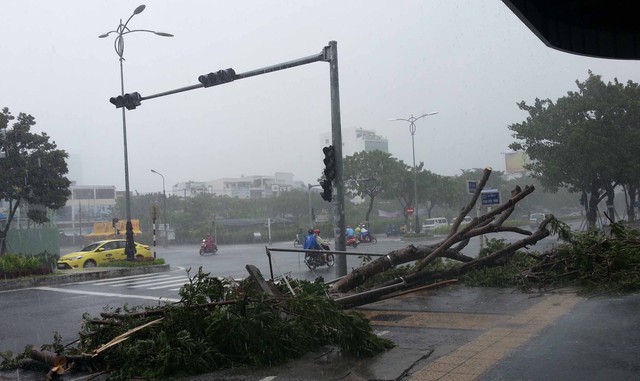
x: 270, y: 378
x: 95, y: 281
x: 129, y: 296
x: 123, y: 282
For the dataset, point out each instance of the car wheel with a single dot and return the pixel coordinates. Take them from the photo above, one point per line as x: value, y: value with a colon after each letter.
x: 89, y: 263
x: 139, y: 257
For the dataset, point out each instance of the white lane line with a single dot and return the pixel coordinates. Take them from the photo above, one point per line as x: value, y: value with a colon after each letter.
x: 117, y: 282
x: 146, y: 282
x: 179, y: 284
x: 381, y: 333
x: 67, y: 291
x: 117, y: 279
x: 270, y: 378
x: 160, y: 282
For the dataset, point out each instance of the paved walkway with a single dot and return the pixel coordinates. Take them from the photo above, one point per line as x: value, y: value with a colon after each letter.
x: 474, y: 358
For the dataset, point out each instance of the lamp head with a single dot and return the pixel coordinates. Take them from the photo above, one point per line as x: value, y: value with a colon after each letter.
x: 139, y: 9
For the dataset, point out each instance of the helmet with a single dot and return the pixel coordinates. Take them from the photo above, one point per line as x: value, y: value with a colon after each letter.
x: 317, y: 231
x: 310, y: 231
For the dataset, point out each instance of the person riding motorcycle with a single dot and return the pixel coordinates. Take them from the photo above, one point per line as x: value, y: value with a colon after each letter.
x: 349, y: 232
x: 208, y: 242
x: 324, y: 244
x: 310, y: 242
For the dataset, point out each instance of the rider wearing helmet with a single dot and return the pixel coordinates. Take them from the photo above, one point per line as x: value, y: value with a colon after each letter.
x: 324, y: 244
x: 321, y: 241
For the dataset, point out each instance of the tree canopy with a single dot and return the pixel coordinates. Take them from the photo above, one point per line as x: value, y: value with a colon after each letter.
x: 32, y: 172
x: 369, y: 174
x: 586, y: 141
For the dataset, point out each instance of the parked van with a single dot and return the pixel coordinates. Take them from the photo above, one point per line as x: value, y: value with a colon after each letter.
x: 432, y: 223
x: 535, y: 219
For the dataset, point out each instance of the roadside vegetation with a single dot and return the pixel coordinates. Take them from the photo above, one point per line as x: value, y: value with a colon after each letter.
x: 217, y: 324
x: 15, y: 266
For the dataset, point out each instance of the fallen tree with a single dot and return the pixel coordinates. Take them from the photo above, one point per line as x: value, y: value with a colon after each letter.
x: 450, y: 248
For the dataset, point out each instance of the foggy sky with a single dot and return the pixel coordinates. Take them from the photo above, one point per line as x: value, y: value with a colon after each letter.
x: 470, y: 60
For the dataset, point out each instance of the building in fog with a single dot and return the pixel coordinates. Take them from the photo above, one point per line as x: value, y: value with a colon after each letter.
x: 356, y: 139
x: 244, y: 187
x: 87, y: 204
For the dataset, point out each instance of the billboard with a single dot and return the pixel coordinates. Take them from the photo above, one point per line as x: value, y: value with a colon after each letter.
x: 515, y: 162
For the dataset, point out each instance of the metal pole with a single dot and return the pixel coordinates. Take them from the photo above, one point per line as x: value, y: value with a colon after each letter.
x: 336, y: 133
x: 121, y: 30
x: 412, y: 129
x: 310, y: 214
x: 164, y: 212
x: 130, y: 247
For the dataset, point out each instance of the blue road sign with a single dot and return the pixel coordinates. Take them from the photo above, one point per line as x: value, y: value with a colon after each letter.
x: 472, y: 185
x: 490, y: 197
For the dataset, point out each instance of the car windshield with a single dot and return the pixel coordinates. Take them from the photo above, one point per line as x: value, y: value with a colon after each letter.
x: 91, y: 247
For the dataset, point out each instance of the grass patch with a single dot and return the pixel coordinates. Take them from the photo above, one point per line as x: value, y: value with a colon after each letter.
x: 136, y: 263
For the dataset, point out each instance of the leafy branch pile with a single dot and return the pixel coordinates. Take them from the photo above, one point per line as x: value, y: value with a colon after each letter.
x: 219, y: 324
x: 596, y: 262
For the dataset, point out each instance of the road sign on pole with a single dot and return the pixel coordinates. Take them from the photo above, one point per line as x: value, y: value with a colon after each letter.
x: 490, y: 197
x: 409, y: 210
x: 472, y: 185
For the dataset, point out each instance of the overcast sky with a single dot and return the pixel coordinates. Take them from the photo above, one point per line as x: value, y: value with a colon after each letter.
x: 470, y: 60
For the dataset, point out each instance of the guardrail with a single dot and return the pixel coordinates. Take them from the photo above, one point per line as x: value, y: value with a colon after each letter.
x: 270, y: 249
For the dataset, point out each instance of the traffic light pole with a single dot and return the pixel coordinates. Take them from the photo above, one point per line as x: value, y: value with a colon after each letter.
x: 329, y: 54
x: 336, y: 135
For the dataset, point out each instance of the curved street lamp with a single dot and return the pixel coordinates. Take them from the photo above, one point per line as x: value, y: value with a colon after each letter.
x: 164, y: 213
x: 121, y: 30
x: 412, y: 128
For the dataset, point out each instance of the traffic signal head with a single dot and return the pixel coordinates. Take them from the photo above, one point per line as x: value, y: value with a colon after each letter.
x: 327, y: 190
x: 217, y: 78
x: 329, y: 163
x: 130, y: 101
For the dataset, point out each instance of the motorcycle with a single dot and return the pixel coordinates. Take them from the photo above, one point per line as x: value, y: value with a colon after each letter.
x: 298, y: 241
x: 315, y: 259
x: 367, y: 237
x: 208, y: 247
x: 352, y: 241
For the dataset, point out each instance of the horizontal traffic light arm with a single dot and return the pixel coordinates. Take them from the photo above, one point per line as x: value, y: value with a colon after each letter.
x: 322, y: 56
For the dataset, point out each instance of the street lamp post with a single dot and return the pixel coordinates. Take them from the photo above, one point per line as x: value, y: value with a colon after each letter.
x: 412, y: 128
x: 164, y: 212
x: 121, y: 30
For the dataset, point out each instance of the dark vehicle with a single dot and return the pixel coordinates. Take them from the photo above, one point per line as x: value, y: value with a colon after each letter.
x: 208, y: 247
x: 315, y: 259
x: 367, y: 237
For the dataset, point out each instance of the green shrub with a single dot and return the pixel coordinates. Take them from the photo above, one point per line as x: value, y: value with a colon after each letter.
x: 151, y: 262
x: 14, y: 265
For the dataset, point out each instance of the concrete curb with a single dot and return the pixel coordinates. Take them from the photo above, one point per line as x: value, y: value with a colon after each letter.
x: 78, y: 275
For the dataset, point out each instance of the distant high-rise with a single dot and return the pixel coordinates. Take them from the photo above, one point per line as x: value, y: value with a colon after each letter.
x: 356, y: 139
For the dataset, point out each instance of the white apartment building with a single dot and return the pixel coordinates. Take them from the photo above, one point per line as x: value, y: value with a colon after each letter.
x: 244, y: 187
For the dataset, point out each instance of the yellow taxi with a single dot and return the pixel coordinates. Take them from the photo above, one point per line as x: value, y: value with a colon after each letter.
x: 101, y: 252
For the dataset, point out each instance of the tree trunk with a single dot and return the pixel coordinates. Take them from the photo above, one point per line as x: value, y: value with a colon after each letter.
x: 592, y: 206
x: 366, y: 217
x: 490, y: 222
x: 632, y: 192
